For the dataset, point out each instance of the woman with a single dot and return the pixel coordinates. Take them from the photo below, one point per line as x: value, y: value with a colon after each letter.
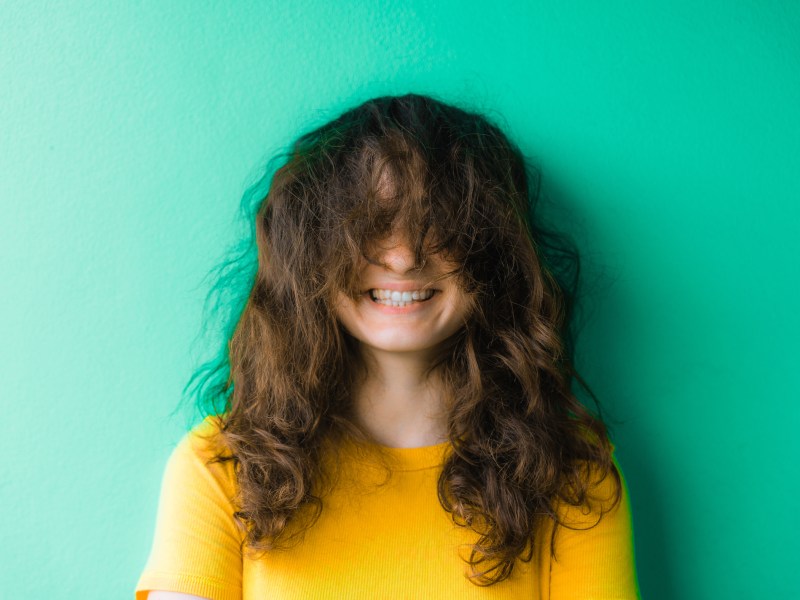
x: 399, y: 417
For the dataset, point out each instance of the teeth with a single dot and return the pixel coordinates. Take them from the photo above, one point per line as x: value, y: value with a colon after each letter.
x: 396, y: 298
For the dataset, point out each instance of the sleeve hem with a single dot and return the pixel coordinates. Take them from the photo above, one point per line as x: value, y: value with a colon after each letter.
x: 206, y: 587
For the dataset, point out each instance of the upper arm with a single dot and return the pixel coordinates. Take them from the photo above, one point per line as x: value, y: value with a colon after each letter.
x: 595, y: 559
x: 196, y: 546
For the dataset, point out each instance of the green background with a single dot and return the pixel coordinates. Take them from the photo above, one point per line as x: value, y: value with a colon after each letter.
x: 668, y: 131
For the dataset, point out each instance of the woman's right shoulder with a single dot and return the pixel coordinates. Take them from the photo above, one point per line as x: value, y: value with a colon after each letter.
x: 206, y: 436
x: 197, y: 455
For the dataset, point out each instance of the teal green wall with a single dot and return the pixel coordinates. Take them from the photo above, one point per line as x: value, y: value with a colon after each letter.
x: 670, y: 131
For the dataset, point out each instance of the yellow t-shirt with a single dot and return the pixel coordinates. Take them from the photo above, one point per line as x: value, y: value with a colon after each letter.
x: 371, y: 541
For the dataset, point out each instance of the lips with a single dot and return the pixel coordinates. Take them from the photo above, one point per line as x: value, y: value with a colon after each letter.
x: 385, y: 295
x: 389, y: 304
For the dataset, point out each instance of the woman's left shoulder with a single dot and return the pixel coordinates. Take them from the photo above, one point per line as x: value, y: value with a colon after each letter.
x: 605, y: 493
x: 593, y: 546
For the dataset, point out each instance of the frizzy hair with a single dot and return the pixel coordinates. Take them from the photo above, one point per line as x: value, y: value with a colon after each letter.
x: 523, y: 444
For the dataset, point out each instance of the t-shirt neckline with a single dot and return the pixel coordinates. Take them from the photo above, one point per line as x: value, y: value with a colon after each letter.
x: 404, y: 459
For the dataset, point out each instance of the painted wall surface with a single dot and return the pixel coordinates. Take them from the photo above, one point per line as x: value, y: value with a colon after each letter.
x: 669, y: 130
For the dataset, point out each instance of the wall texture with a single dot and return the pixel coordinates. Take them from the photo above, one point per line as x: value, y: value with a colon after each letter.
x: 669, y: 131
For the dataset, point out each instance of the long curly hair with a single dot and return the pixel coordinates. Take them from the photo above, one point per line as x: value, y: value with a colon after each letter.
x: 523, y: 443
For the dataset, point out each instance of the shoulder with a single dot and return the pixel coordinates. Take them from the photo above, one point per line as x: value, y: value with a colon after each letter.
x: 205, y: 438
x: 593, y: 552
x: 605, y: 493
x: 197, y: 542
x: 201, y: 457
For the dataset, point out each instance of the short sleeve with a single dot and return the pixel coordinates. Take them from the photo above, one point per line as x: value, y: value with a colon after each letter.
x: 596, y: 561
x: 196, y: 546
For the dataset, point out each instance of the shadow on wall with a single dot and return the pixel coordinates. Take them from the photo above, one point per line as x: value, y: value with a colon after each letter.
x: 605, y: 318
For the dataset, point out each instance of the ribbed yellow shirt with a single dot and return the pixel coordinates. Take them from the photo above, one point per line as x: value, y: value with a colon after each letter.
x: 371, y: 541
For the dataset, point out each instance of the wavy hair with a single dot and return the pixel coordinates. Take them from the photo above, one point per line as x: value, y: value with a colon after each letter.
x: 523, y: 444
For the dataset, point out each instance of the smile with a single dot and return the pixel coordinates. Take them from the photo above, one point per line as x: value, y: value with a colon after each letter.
x: 400, y: 299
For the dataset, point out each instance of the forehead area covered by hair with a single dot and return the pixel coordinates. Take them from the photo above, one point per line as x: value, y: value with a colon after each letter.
x: 395, y: 196
x: 396, y: 174
x: 405, y: 169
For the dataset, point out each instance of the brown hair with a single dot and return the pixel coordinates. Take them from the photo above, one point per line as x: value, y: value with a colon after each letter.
x: 523, y: 444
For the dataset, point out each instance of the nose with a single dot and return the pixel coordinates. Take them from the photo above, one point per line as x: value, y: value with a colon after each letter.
x: 395, y: 254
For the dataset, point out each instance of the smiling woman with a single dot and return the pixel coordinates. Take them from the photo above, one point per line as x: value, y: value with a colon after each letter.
x: 398, y: 416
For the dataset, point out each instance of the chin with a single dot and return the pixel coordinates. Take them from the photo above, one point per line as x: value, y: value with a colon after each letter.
x: 400, y: 345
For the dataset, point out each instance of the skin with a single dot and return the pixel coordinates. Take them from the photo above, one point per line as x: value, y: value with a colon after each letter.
x: 394, y: 402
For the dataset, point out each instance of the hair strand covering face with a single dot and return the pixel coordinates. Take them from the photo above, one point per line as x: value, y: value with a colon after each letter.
x: 523, y: 443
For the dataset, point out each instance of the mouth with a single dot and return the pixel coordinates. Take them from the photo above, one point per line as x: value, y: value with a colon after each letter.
x: 394, y: 298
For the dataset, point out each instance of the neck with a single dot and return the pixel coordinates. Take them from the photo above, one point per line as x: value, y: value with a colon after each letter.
x: 397, y: 403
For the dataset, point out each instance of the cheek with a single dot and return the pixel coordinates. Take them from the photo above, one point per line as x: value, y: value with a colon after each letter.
x: 344, y: 311
x: 456, y: 315
x: 464, y: 305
